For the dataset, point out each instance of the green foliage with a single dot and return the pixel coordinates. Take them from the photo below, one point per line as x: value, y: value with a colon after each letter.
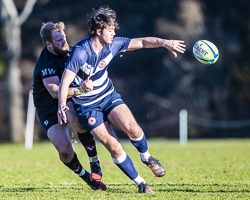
x: 2, y: 68
x: 203, y: 169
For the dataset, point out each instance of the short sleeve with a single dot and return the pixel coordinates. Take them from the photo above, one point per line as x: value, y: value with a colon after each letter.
x: 46, y: 65
x: 119, y: 44
x: 78, y: 57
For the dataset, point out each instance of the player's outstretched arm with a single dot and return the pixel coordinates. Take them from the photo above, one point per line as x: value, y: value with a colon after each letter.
x: 174, y: 46
x: 152, y: 42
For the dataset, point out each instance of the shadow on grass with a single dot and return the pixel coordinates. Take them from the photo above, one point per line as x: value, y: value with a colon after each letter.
x: 19, y: 190
x: 204, y: 188
x: 42, y: 189
x: 195, y: 188
x: 128, y: 188
x: 117, y: 190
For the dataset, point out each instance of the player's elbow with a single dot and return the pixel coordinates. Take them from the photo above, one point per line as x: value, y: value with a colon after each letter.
x: 54, y: 95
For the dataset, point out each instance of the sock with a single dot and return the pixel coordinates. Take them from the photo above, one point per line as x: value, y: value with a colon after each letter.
x: 142, y: 146
x: 88, y: 142
x: 145, y: 156
x: 75, y: 166
x: 138, y: 180
x: 126, y: 165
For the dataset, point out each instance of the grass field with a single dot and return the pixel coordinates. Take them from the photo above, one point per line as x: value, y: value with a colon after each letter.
x: 203, y: 169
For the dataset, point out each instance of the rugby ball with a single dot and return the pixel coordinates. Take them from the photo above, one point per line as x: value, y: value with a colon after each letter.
x: 205, y: 52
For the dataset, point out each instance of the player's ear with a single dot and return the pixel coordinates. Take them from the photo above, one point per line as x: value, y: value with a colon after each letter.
x: 98, y: 32
x: 49, y: 44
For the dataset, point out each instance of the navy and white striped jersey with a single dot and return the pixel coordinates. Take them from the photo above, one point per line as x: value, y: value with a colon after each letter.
x: 84, y: 62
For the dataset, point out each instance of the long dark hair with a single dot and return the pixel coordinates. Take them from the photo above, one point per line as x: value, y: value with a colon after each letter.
x: 100, y: 19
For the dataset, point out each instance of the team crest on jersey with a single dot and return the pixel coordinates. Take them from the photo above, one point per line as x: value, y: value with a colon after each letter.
x: 91, y: 121
x: 102, y: 64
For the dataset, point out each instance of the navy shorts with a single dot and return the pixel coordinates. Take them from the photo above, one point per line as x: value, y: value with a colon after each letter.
x: 95, y: 114
x: 47, y: 116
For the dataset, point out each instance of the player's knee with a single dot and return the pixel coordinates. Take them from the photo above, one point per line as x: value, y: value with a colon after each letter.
x: 79, y: 128
x: 116, y: 150
x: 133, y: 129
x: 66, y: 153
x: 76, y: 123
x: 113, y: 146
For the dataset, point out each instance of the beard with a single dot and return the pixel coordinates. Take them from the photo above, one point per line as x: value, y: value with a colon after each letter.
x: 61, y: 52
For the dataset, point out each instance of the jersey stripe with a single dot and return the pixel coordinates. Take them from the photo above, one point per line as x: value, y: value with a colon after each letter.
x: 94, y: 92
x: 101, y: 80
x: 100, y: 98
x: 84, y: 62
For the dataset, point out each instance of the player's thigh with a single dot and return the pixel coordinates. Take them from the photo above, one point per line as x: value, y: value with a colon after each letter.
x: 105, y: 134
x: 59, y: 136
x: 47, y: 116
x: 74, y: 119
x: 122, y: 117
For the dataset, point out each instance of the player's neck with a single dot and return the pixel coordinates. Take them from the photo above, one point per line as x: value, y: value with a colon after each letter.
x: 52, y: 51
x: 97, y: 45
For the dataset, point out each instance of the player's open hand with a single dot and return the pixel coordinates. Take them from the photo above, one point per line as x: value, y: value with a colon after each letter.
x: 87, y: 85
x: 61, y: 114
x: 174, y: 46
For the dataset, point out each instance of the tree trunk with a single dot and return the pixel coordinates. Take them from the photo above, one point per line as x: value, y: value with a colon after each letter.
x: 14, y: 85
x: 11, y: 23
x: 16, y: 112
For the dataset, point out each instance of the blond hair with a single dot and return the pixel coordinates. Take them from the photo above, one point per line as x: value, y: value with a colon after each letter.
x: 48, y: 28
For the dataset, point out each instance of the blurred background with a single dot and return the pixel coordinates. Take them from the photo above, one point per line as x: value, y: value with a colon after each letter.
x: 153, y: 83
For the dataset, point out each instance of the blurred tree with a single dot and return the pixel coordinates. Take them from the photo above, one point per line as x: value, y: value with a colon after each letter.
x: 11, y: 23
x: 153, y: 83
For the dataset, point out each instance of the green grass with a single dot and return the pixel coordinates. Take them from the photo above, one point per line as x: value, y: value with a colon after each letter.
x: 203, y: 169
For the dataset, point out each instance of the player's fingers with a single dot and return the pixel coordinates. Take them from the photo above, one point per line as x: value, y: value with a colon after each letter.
x: 66, y: 108
x: 180, y: 41
x: 175, y: 54
x: 59, y: 117
x: 89, y: 81
x: 181, y: 50
x: 63, y: 117
x: 87, y: 78
x: 182, y: 45
x: 89, y: 84
x: 179, y: 44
